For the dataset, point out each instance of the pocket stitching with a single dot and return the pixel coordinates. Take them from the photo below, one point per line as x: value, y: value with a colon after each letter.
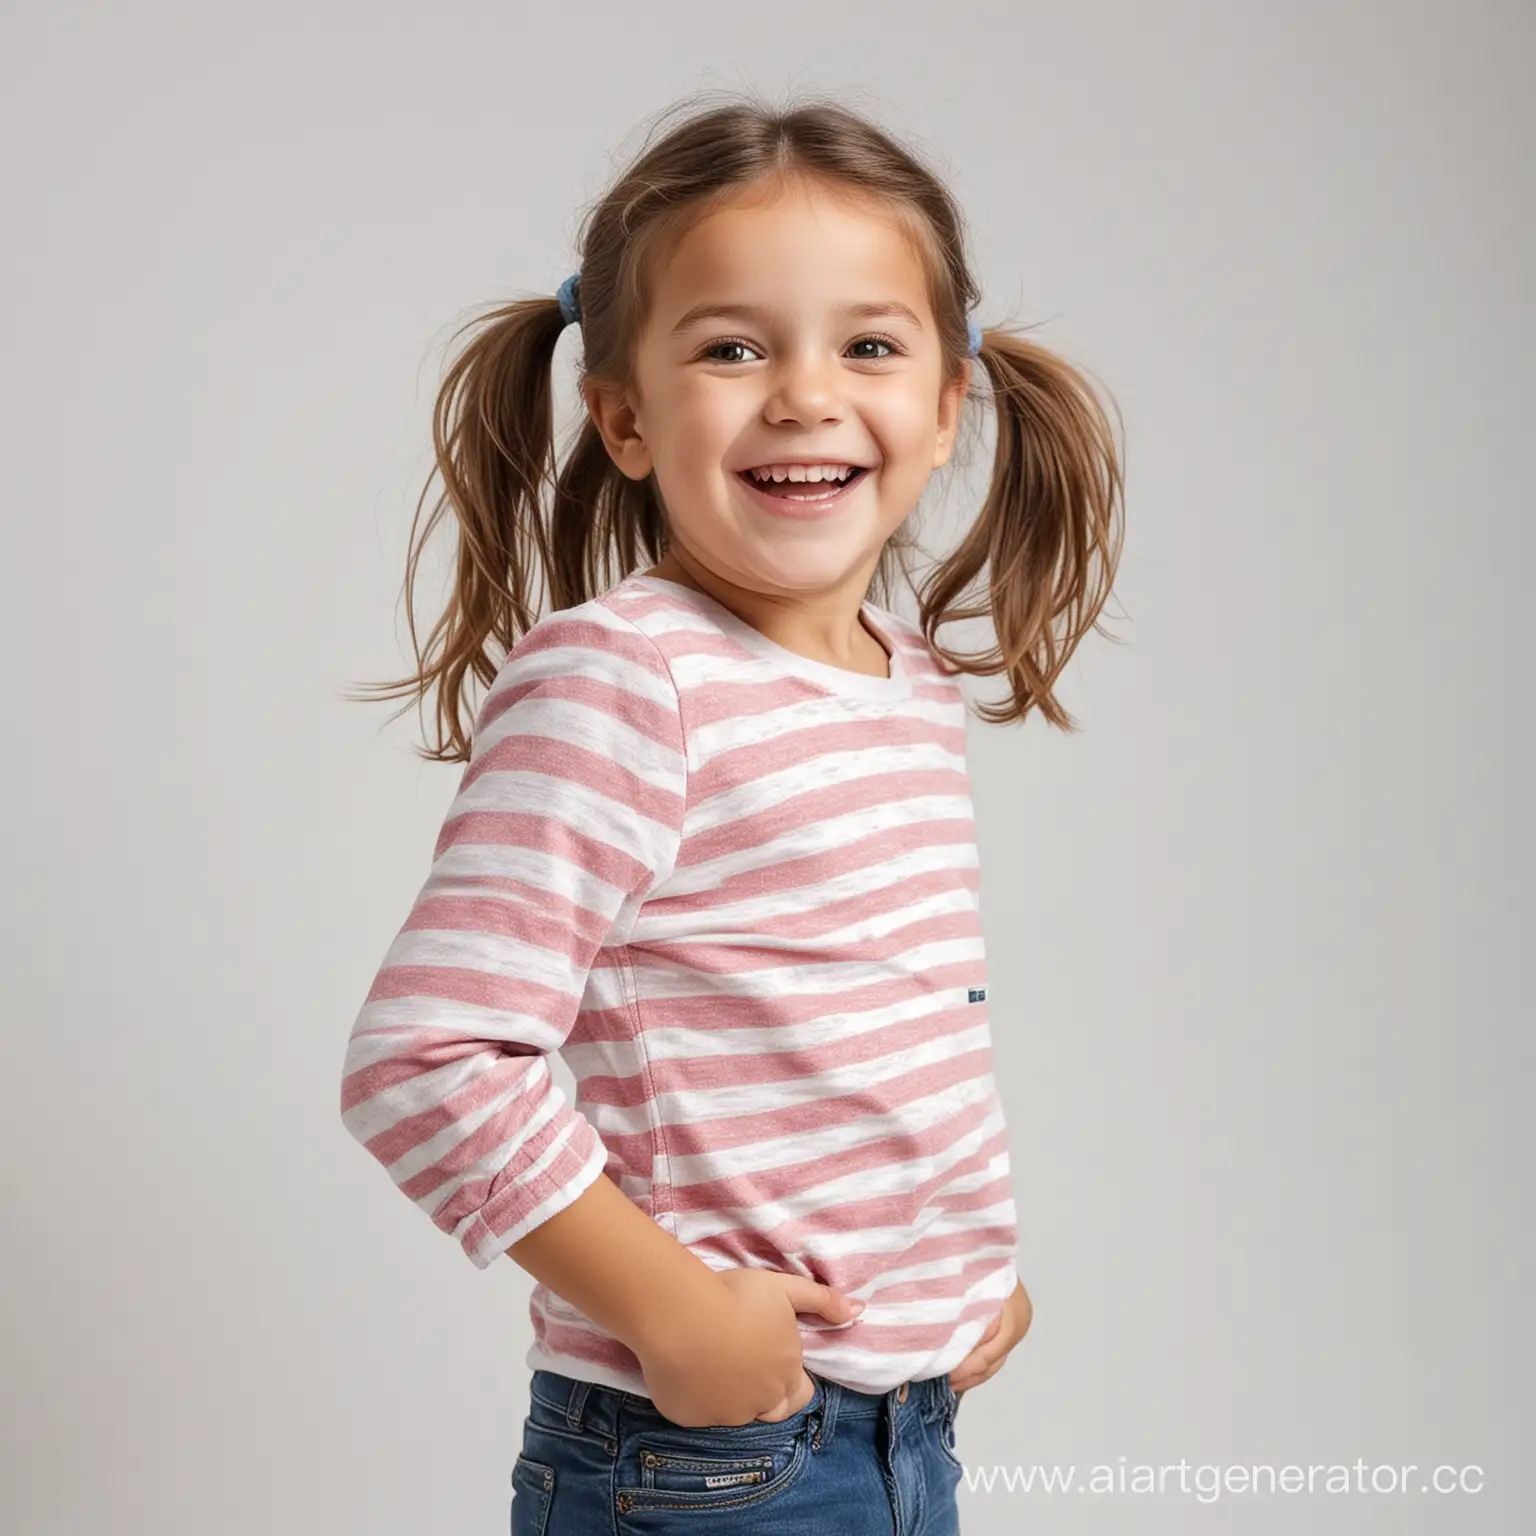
x: 535, y: 1479
x: 634, y: 1499
x: 728, y: 1463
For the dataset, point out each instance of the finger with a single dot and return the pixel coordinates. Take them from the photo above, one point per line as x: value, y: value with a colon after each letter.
x: 975, y: 1378
x: 807, y: 1295
x: 786, y: 1408
x: 995, y: 1342
x: 973, y: 1362
x: 981, y: 1362
x: 983, y: 1355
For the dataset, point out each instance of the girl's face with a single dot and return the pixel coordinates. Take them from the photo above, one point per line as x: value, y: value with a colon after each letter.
x: 829, y: 354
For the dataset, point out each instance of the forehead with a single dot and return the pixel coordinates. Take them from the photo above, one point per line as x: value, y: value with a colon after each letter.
x: 799, y: 250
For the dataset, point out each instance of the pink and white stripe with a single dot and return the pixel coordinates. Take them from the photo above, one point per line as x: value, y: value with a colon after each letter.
x: 737, y: 891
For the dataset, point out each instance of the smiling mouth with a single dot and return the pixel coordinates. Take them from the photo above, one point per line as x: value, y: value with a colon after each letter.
x: 802, y: 490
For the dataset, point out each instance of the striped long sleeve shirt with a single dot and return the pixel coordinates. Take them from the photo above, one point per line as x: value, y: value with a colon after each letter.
x: 737, y: 891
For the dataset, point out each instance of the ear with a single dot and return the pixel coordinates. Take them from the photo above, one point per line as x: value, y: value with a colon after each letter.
x: 951, y: 398
x: 615, y: 420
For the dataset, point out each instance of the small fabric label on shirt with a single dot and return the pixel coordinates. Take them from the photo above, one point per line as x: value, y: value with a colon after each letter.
x: 977, y: 995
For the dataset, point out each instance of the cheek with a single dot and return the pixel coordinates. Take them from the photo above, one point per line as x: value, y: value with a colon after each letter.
x: 908, y: 424
x: 901, y: 488
x: 909, y: 463
x: 704, y: 434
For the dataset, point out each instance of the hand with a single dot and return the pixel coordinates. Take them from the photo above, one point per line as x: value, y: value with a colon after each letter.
x: 733, y: 1354
x: 986, y: 1360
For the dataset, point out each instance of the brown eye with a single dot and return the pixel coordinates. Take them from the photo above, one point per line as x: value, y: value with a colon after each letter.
x: 892, y: 346
x: 730, y: 341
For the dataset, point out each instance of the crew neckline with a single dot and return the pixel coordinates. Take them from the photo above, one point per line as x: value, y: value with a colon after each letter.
x: 835, y: 679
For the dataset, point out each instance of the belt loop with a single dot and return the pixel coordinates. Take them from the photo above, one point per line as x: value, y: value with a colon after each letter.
x: 576, y: 1403
x: 831, y: 1395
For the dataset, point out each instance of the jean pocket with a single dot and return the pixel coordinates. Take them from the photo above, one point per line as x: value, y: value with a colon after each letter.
x: 533, y: 1488
x: 705, y: 1473
x: 720, y: 1467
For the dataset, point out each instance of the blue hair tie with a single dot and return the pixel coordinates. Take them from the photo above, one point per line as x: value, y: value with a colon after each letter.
x: 570, y: 297
x: 569, y: 294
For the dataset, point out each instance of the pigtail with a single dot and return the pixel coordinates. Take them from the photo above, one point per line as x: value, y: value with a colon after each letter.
x: 1047, y: 538
x: 1049, y: 534
x: 493, y: 442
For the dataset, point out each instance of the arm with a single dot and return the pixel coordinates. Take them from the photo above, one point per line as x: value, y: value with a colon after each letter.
x: 568, y: 812
x: 604, y: 1255
x: 714, y: 1347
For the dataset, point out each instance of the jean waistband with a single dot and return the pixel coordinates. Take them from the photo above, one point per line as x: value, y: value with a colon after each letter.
x: 591, y: 1405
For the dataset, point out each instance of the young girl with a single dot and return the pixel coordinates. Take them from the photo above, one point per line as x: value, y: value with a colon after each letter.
x: 714, y: 845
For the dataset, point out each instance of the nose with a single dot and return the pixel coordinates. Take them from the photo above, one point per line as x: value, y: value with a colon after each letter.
x: 806, y: 389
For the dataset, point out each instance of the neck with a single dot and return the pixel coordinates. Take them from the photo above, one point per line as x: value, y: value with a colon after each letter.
x: 823, y: 625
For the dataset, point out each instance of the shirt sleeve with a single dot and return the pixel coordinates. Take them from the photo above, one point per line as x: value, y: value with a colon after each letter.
x: 568, y: 813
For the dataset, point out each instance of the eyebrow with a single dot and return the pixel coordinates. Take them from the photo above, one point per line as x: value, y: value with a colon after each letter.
x: 888, y: 309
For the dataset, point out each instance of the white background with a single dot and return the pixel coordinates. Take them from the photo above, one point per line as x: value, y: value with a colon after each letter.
x: 1256, y: 931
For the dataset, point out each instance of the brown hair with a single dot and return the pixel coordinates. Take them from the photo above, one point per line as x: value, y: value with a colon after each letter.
x: 1049, y: 531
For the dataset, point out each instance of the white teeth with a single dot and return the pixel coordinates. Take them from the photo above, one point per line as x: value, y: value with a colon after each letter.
x: 811, y: 473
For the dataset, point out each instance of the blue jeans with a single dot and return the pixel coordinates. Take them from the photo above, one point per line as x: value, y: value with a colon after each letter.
x: 600, y: 1462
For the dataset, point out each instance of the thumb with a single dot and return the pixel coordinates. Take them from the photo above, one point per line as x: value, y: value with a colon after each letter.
x: 807, y: 1295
